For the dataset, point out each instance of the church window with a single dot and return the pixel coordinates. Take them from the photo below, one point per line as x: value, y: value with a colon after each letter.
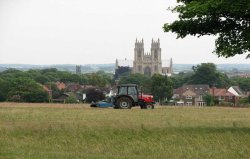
x: 139, y: 53
x: 155, y: 54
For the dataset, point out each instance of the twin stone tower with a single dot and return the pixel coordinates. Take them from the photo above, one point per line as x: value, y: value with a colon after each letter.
x: 147, y: 63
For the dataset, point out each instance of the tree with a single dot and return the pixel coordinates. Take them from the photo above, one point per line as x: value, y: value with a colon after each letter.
x: 122, y: 71
x: 98, y: 79
x: 27, y: 90
x: 71, y: 99
x: 41, y: 79
x: 249, y: 99
x: 227, y: 19
x: 243, y: 83
x: 206, y: 73
x: 139, y: 79
x: 93, y: 94
x: 3, y: 90
x: 161, y: 87
x: 181, y: 79
x: 209, y: 99
x: 55, y: 91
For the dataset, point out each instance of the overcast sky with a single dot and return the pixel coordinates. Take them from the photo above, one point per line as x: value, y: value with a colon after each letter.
x: 93, y: 32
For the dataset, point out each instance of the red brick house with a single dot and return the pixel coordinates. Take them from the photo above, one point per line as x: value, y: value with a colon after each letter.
x: 222, y: 95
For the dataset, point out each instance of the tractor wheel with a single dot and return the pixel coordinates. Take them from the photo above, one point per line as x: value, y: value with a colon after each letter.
x: 149, y: 106
x: 124, y: 103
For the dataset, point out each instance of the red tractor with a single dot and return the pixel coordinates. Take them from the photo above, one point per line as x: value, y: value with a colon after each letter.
x: 128, y: 96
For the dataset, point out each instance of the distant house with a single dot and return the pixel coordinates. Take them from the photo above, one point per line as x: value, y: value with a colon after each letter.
x: 48, y: 90
x: 60, y: 85
x: 61, y: 98
x: 194, y: 94
x: 85, y: 87
x: 73, y: 88
x: 191, y: 95
x: 222, y: 95
x: 177, y: 92
x: 236, y: 91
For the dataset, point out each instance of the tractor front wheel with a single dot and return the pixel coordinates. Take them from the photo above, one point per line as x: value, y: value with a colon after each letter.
x: 150, y: 106
x: 124, y: 103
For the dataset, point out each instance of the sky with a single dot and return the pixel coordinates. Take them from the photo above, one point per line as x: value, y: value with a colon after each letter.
x: 94, y: 32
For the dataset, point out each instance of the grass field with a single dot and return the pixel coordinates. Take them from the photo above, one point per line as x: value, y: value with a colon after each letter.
x: 53, y: 131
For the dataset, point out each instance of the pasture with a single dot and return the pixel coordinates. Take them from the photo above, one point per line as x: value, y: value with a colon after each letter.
x: 51, y: 131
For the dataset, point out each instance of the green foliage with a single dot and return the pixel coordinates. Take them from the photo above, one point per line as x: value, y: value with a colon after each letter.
x: 226, y: 104
x: 27, y: 89
x: 209, y: 99
x: 139, y: 79
x: 161, y: 87
x: 99, y: 79
x: 51, y: 70
x: 11, y: 71
x: 132, y: 78
x: 32, y: 80
x: 122, y: 71
x: 2, y: 96
x: 71, y: 99
x: 244, y: 101
x: 244, y: 83
x: 55, y: 91
x: 227, y: 19
x: 35, y: 96
x: 41, y: 79
x: 53, y: 75
x: 3, y: 86
x: 94, y: 95
x: 181, y: 79
x: 206, y: 73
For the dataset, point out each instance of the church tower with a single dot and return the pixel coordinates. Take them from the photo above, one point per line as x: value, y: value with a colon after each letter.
x: 138, y: 56
x: 156, y: 56
x: 148, y: 63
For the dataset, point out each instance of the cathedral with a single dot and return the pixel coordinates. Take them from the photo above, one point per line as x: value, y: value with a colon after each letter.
x: 147, y: 63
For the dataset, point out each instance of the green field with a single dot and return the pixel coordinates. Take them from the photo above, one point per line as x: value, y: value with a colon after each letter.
x: 42, y: 131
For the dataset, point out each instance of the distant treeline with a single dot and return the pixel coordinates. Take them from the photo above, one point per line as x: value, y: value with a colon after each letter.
x: 110, y: 68
x: 27, y: 86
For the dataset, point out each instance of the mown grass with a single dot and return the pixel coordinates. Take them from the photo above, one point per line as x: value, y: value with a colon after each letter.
x: 76, y: 131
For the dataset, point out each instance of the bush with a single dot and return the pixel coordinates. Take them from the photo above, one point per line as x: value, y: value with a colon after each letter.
x: 2, y: 96
x: 94, y: 95
x: 209, y: 100
x: 71, y: 99
x: 244, y: 101
x: 226, y: 104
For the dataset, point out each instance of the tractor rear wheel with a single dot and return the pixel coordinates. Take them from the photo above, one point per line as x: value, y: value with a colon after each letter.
x: 124, y: 103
